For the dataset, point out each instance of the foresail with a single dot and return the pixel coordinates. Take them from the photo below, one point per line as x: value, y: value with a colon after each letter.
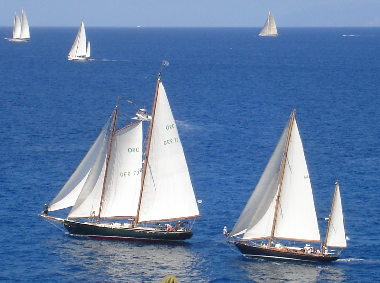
x: 296, y: 216
x: 16, y: 27
x: 88, y: 201
x: 269, y: 28
x: 167, y: 191
x: 24, y: 27
x: 124, y: 173
x: 336, y: 236
x: 257, y: 217
x: 71, y: 190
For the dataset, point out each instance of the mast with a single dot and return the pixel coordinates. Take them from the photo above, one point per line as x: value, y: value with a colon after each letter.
x: 331, y: 211
x: 282, y: 177
x: 147, y: 149
x: 107, y: 161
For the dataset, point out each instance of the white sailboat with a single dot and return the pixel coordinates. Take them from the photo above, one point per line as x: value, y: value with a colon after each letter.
x: 120, y: 199
x: 20, y: 28
x: 269, y: 28
x: 279, y: 220
x: 78, y: 50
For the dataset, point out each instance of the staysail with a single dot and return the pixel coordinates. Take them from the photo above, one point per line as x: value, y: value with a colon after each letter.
x: 335, y: 235
x: 263, y: 217
x: 167, y: 191
x: 269, y: 28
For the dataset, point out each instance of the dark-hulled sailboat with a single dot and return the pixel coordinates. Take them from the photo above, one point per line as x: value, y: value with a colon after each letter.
x: 279, y: 221
x: 114, y: 195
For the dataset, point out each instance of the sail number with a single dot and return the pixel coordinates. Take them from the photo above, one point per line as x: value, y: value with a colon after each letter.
x: 170, y: 127
x: 130, y: 173
x: 171, y: 141
x: 133, y: 149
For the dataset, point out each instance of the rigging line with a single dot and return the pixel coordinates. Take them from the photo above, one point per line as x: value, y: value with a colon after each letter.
x: 52, y: 223
x: 150, y: 170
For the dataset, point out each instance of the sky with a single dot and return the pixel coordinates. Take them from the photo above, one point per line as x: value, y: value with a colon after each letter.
x: 195, y: 13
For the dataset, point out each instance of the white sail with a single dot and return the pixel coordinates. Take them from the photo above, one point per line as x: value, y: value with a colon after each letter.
x: 167, y: 191
x: 257, y: 217
x: 88, y: 201
x: 88, y: 50
x: 335, y: 236
x: 16, y: 27
x: 24, y: 26
x: 71, y: 190
x: 78, y: 49
x: 269, y: 28
x: 123, y: 184
x: 296, y: 217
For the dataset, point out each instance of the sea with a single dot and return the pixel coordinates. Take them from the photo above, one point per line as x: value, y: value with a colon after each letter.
x: 231, y: 93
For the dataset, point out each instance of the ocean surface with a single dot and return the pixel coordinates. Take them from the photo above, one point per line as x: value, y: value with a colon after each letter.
x: 231, y: 93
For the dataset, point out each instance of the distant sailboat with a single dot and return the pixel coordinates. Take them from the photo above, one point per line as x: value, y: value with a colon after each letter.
x: 279, y: 220
x: 114, y: 195
x: 20, y: 28
x: 269, y: 28
x: 78, y: 50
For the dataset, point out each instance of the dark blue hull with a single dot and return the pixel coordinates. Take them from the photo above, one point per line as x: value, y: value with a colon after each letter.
x: 97, y: 231
x: 284, y: 254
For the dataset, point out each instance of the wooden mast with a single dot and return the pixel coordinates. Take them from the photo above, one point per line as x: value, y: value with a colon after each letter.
x: 282, y: 176
x: 107, y: 161
x: 148, y: 149
x: 331, y: 211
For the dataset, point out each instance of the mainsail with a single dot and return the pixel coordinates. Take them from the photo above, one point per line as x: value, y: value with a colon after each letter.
x: 335, y: 235
x: 167, y: 192
x: 269, y: 28
x: 24, y: 26
x: 78, y: 50
x: 282, y: 204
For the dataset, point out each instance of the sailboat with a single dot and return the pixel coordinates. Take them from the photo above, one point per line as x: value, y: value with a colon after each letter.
x: 114, y: 194
x: 269, y: 28
x: 79, y: 50
x: 20, y: 28
x: 279, y: 220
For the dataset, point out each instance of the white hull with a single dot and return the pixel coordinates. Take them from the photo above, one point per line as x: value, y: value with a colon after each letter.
x: 18, y: 39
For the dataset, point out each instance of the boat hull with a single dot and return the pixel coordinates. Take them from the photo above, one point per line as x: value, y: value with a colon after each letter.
x: 18, y: 39
x: 283, y: 254
x: 93, y: 230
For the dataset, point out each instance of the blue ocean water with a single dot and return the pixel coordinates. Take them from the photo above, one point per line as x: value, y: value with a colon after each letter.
x: 231, y: 93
